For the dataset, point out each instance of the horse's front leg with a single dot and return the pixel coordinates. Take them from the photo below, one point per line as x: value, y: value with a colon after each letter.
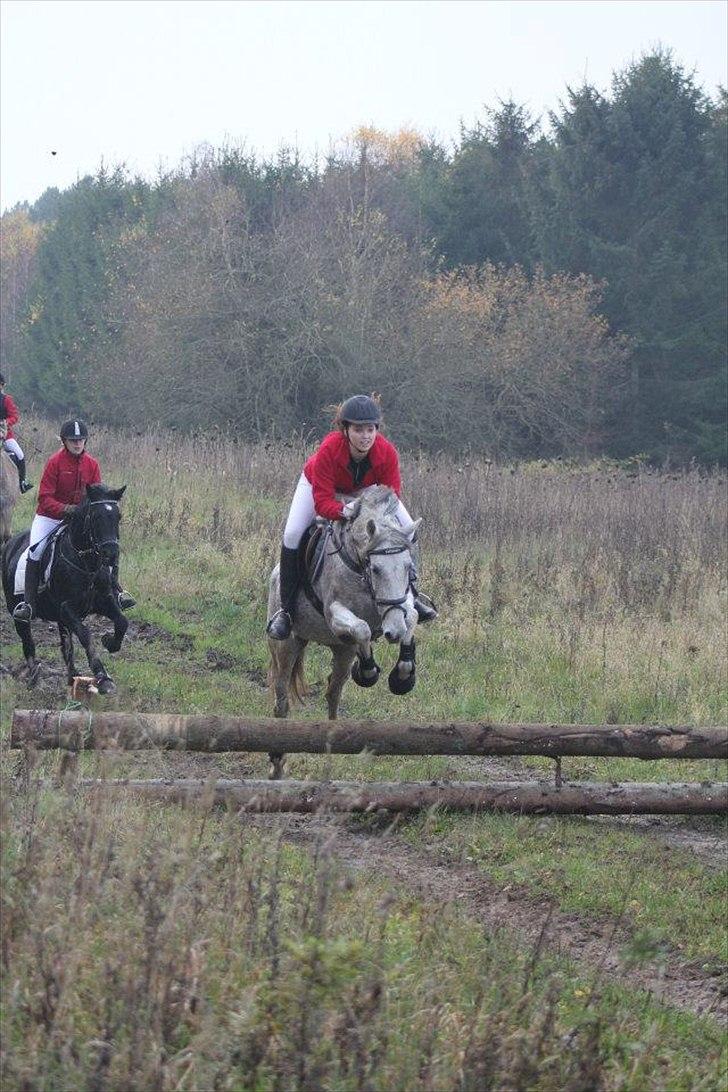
x: 112, y: 641
x: 76, y: 625
x: 350, y: 628
x: 401, y: 678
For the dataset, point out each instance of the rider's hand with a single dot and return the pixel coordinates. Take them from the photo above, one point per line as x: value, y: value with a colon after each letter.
x: 68, y: 510
x: 350, y: 509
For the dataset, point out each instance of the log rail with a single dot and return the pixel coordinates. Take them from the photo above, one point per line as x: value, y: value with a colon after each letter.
x: 528, y: 797
x: 77, y: 730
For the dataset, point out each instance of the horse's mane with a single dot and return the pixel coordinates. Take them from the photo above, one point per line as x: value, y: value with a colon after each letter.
x: 378, y: 503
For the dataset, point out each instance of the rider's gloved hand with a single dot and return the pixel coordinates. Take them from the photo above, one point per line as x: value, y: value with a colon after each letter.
x: 350, y: 509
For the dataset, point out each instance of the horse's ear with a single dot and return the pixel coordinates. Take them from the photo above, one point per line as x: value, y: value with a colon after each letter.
x: 371, y: 528
x: 92, y: 491
x: 117, y: 494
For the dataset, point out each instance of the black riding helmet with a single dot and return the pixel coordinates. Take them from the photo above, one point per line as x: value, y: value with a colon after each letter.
x: 74, y: 430
x: 360, y: 409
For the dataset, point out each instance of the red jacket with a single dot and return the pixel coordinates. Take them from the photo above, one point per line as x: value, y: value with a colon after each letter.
x: 64, y: 481
x: 329, y: 473
x: 11, y: 414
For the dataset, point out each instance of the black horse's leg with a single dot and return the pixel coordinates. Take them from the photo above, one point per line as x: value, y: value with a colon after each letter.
x: 67, y: 650
x: 112, y: 642
x: 76, y: 625
x: 26, y: 636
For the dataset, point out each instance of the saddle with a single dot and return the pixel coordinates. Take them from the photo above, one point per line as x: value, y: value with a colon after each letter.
x: 311, y: 558
x: 47, y: 559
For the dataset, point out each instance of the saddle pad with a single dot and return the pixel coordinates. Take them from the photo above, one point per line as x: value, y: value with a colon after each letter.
x: 49, y: 554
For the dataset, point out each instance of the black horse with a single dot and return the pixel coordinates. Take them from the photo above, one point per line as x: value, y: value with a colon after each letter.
x: 82, y: 581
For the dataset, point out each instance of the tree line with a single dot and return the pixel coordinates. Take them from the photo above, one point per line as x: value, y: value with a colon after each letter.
x: 533, y: 290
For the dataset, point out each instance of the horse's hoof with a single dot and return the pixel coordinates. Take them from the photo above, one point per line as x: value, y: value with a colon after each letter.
x: 277, y: 763
x: 109, y: 643
x: 365, y: 673
x: 105, y: 685
x: 398, y: 685
x: 33, y: 675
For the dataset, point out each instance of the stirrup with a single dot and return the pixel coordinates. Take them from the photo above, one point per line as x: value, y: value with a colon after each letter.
x: 25, y: 486
x: 23, y: 612
x: 125, y: 601
x: 280, y: 626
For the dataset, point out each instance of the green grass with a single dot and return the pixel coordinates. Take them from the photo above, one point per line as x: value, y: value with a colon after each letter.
x: 299, y: 972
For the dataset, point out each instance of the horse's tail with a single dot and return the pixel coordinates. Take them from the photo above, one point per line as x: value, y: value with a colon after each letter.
x: 297, y: 687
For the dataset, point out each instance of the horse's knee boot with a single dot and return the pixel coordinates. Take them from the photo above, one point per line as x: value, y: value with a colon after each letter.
x: 365, y: 672
x: 403, y: 684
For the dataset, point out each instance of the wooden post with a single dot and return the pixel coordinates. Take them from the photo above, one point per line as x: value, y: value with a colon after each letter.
x: 528, y: 797
x: 75, y: 730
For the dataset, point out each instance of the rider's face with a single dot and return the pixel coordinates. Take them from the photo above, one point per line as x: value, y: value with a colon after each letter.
x: 361, y: 436
x: 75, y: 445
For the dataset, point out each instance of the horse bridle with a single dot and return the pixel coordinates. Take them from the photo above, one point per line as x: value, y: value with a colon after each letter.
x: 363, y: 569
x: 95, y: 547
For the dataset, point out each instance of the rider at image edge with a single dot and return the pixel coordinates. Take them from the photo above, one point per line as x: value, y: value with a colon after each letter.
x: 9, y: 416
x: 350, y: 458
x: 61, y: 490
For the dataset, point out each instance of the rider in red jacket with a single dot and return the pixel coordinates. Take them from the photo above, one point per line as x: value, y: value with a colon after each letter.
x: 350, y: 458
x: 10, y: 416
x: 62, y: 488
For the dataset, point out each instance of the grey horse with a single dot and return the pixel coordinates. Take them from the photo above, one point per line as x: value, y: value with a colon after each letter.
x: 361, y: 590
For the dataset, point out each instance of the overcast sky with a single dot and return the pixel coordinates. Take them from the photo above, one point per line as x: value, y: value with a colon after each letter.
x: 144, y: 82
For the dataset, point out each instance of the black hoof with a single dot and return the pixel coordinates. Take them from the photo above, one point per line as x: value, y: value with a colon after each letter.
x: 398, y: 685
x: 370, y: 666
x: 105, y: 685
x: 109, y: 643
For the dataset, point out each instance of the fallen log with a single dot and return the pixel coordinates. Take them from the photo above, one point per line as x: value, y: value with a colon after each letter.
x: 525, y: 797
x: 77, y: 730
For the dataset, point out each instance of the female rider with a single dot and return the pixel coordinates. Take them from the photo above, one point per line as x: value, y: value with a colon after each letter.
x: 9, y: 414
x: 350, y: 458
x: 61, y: 490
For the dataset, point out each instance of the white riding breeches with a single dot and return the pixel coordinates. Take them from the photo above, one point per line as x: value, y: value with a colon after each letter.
x: 39, y: 532
x: 14, y: 448
x: 303, y: 512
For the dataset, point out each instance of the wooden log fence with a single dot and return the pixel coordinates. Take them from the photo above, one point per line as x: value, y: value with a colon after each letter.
x: 83, y: 729
x: 537, y: 797
x: 77, y: 730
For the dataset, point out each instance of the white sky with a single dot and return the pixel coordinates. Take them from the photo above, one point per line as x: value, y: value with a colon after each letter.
x: 145, y: 81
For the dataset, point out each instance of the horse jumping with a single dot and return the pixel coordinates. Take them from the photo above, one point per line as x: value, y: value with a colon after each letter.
x: 360, y: 591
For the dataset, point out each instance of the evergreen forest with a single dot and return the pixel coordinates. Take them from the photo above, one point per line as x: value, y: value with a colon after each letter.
x: 538, y: 288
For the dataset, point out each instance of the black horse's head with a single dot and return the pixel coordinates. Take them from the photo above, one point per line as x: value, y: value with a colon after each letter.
x: 95, y: 525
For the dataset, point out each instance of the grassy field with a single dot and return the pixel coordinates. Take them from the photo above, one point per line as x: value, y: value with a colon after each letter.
x: 145, y: 946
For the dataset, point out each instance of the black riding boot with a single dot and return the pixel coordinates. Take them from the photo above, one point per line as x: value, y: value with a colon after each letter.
x: 25, y: 485
x: 280, y: 625
x: 28, y: 609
